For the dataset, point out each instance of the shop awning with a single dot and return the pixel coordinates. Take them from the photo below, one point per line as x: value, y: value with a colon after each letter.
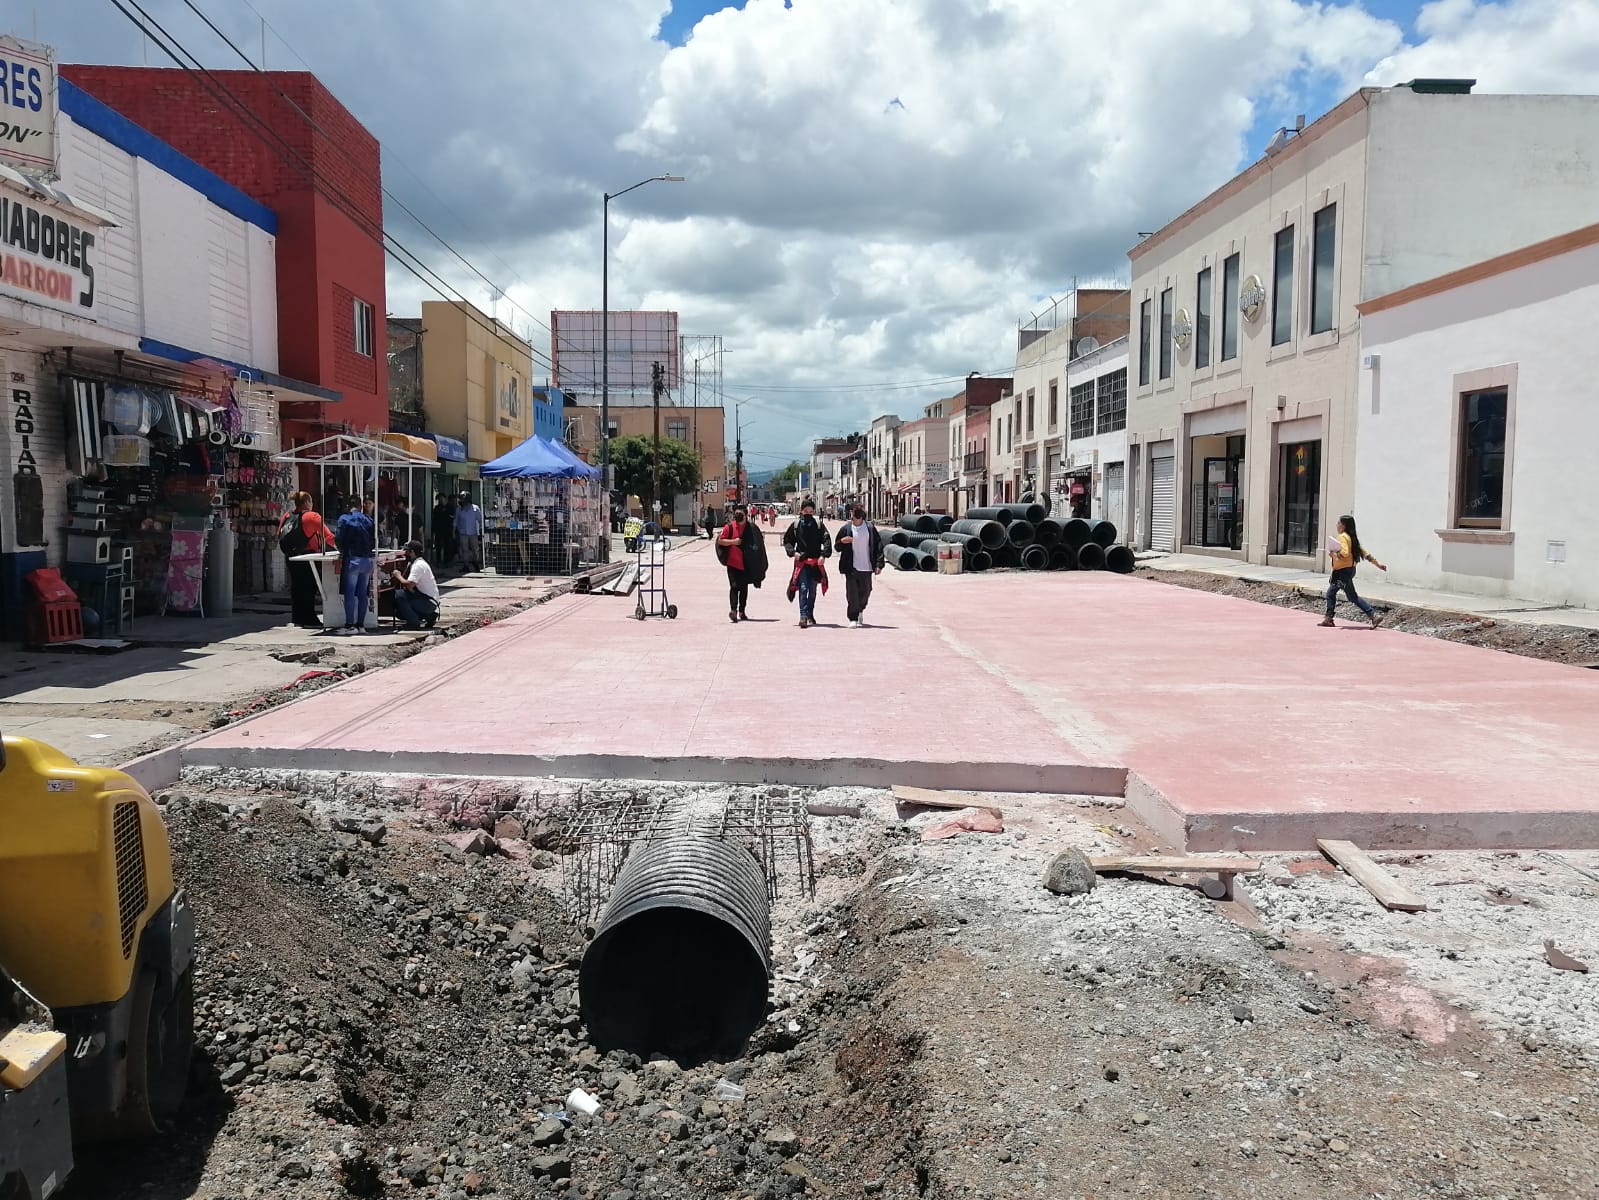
x: 421, y: 447
x: 448, y: 449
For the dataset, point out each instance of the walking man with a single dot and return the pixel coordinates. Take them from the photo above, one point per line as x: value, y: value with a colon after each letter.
x: 469, y: 533
x: 807, y: 542
x: 356, y: 537
x: 860, y: 561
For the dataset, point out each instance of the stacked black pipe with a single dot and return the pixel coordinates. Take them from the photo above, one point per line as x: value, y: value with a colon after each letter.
x: 1021, y: 535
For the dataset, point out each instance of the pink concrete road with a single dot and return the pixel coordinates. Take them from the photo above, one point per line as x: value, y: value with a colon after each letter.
x: 1232, y: 724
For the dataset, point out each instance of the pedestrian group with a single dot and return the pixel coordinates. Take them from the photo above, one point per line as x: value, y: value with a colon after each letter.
x: 741, y: 548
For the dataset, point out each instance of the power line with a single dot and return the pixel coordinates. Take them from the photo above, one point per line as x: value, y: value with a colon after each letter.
x: 263, y: 132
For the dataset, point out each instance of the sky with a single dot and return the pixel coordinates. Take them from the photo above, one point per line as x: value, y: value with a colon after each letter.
x: 876, y: 191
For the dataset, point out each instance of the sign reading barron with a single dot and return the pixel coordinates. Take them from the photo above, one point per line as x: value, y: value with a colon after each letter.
x: 46, y: 256
x: 27, y: 105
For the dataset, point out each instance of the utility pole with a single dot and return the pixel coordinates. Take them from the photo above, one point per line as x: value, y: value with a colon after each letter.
x: 657, y: 386
x: 738, y: 451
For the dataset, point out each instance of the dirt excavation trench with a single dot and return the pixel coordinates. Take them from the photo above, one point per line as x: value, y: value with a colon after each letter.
x: 389, y: 1007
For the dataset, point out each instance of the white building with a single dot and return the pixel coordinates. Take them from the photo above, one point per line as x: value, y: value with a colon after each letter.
x: 1479, y: 414
x: 134, y: 295
x: 1245, y: 331
x: 1093, y: 474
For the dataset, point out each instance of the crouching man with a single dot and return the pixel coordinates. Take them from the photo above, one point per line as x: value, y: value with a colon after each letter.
x: 416, y: 591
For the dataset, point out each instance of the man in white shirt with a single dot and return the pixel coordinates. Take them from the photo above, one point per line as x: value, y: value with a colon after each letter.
x: 416, y: 592
x: 860, y: 558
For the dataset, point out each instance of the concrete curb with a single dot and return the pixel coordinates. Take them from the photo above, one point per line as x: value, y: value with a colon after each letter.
x: 1049, y: 778
x: 1297, y: 832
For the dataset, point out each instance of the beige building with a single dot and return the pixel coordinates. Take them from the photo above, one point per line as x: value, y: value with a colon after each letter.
x: 881, y: 440
x: 476, y: 379
x: 1245, y: 348
x: 921, y: 466
x: 703, y: 428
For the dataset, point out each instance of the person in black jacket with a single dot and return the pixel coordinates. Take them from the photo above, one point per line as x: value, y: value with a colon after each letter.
x: 809, y: 545
x: 860, y: 561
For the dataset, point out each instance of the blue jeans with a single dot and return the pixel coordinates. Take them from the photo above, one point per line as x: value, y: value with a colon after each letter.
x: 357, y: 590
x: 413, y: 607
x: 1344, y: 578
x: 807, y: 592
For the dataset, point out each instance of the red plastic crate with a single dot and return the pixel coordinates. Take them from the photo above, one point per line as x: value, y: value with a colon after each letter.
x: 59, y: 621
x: 49, y: 587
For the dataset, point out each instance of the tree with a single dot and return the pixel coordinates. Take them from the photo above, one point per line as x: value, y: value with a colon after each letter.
x: 787, y: 480
x: 632, y: 457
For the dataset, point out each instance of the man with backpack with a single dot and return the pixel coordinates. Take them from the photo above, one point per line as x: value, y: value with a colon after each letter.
x: 808, y: 545
x: 302, y: 532
x: 357, y: 538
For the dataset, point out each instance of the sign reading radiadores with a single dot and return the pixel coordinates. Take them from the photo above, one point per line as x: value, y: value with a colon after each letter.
x: 46, y: 256
x: 27, y: 105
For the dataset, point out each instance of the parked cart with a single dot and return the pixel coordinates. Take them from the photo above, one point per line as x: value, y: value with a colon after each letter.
x: 652, y: 547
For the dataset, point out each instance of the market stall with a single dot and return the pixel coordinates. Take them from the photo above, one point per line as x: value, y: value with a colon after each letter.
x: 544, y: 509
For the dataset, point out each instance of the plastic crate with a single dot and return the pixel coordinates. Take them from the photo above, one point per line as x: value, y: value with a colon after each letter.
x: 55, y: 621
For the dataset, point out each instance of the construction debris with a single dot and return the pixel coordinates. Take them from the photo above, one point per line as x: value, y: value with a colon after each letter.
x: 1562, y: 961
x: 1384, y: 887
x: 974, y: 820
x: 1220, y: 888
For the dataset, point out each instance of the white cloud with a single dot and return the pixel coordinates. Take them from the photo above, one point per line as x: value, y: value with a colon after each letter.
x: 830, y: 235
x: 1531, y: 46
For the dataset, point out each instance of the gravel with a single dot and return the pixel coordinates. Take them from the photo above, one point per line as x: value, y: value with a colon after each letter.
x: 393, y: 1016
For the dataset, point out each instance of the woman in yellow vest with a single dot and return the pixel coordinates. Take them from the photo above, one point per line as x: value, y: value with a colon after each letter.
x: 1344, y: 559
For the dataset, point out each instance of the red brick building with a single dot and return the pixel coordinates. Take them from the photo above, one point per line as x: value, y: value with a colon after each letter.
x: 303, y: 155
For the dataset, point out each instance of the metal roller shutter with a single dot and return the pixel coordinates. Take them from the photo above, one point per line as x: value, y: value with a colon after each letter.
x: 1163, y: 516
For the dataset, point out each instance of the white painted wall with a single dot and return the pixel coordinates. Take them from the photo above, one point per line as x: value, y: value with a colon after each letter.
x: 1539, y: 318
x: 1532, y: 172
x: 177, y: 268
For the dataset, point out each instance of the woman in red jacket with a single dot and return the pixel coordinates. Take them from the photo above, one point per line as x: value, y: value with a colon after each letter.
x: 742, y: 550
x: 302, y: 532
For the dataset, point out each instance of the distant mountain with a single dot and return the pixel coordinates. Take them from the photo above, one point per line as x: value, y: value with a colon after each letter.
x: 761, y: 476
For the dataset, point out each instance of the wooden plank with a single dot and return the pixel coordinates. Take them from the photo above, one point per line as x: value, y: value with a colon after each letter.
x: 1174, y: 862
x: 926, y: 798
x: 1384, y: 887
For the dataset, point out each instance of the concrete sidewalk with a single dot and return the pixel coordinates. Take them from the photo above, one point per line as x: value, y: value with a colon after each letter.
x: 103, y: 709
x: 1233, y: 724
x: 1374, y: 586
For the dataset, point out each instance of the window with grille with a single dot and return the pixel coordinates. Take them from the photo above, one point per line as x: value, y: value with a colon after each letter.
x: 1112, y: 395
x: 678, y: 430
x: 1082, y: 409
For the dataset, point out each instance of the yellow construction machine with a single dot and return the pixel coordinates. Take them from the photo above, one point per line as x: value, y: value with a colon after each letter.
x: 96, y: 966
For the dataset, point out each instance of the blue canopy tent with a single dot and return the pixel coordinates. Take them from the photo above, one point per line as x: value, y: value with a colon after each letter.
x: 533, y: 459
x: 545, y: 511
x: 561, y: 451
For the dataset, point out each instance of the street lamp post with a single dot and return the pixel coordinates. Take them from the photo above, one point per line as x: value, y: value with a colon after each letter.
x: 605, y: 323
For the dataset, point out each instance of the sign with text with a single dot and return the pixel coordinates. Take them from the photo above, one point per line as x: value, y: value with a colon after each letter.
x: 46, y: 255
x: 27, y: 105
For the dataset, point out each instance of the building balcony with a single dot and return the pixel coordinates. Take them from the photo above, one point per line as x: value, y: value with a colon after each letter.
x: 975, y: 462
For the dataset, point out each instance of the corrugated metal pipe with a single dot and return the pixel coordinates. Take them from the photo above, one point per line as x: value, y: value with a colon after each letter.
x: 681, y: 960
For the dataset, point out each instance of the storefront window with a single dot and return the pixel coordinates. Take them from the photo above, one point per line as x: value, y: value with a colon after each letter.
x: 1299, y: 516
